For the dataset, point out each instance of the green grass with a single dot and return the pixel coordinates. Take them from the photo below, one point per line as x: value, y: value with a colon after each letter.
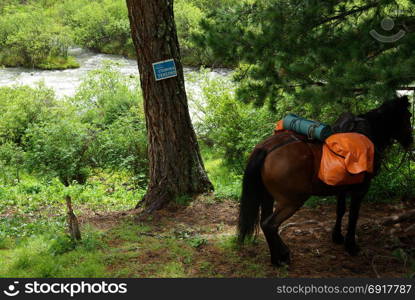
x: 103, y: 192
x: 58, y: 63
x: 227, y: 184
x: 54, y: 256
x: 49, y: 63
x: 34, y: 243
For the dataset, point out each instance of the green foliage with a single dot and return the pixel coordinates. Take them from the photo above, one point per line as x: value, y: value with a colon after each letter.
x: 62, y: 149
x: 99, y: 25
x: 197, y: 242
x: 396, y: 178
x: 54, y: 256
x: 123, y: 146
x: 11, y: 161
x: 29, y: 37
x: 27, y: 198
x: 21, y: 108
x: 317, y: 52
x: 227, y: 184
x: 105, y: 95
x: 58, y: 63
x: 103, y: 126
x: 232, y: 128
x: 103, y: 26
x: 113, y: 104
x: 188, y: 16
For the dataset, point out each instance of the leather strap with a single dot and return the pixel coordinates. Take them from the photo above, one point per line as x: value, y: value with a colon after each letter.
x: 291, y: 139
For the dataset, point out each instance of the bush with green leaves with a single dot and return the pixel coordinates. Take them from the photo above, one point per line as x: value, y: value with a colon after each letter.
x: 105, y: 95
x: 61, y: 148
x: 123, y: 146
x: 101, y: 26
x: 188, y: 15
x: 11, y: 162
x: 396, y: 178
x: 22, y: 107
x: 230, y: 127
x: 112, y: 102
x: 29, y: 37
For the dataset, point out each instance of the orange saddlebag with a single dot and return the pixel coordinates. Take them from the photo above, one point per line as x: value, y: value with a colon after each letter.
x: 345, y: 159
x: 279, y: 126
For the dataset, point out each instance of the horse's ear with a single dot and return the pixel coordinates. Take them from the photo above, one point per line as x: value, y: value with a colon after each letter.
x: 404, y: 101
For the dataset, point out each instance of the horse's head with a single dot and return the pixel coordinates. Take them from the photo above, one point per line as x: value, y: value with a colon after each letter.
x: 391, y: 121
x: 402, y: 122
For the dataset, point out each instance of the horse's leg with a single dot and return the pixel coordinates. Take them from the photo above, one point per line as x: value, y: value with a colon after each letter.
x: 267, y: 206
x: 337, y: 236
x: 280, y: 253
x: 350, y: 241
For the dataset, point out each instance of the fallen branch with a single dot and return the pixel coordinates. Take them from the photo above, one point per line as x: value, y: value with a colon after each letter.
x: 73, y: 224
x: 410, y: 229
x: 405, y: 260
x: 407, y: 216
x: 282, y: 228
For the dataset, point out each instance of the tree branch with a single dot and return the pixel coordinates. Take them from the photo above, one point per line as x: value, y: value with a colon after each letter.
x: 348, y: 13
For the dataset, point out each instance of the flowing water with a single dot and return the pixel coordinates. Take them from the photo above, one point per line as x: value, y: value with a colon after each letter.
x: 66, y: 82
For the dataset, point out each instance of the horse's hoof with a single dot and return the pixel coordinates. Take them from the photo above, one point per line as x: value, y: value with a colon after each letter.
x: 352, y: 249
x: 282, y: 260
x: 337, y: 238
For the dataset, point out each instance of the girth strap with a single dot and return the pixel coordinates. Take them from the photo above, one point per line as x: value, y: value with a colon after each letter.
x: 291, y: 139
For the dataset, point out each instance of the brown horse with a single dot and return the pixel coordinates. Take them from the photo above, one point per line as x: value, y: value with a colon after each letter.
x: 284, y: 168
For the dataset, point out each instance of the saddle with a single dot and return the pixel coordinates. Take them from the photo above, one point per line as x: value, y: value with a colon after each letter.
x: 347, y: 154
x: 348, y: 122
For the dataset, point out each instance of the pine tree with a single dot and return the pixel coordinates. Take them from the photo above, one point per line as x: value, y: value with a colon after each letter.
x: 315, y: 50
x: 176, y: 166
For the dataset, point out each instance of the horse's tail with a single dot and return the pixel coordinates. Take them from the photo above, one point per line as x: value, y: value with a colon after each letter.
x: 252, y: 193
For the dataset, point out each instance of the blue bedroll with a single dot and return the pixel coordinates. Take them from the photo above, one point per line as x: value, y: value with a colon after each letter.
x: 313, y: 130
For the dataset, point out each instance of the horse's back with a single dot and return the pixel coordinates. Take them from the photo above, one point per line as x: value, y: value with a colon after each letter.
x: 291, y: 167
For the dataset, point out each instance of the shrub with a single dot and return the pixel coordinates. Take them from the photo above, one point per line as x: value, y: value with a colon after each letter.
x: 105, y: 95
x: 396, y: 178
x: 22, y: 107
x: 188, y: 17
x: 99, y: 25
x: 113, y: 104
x: 11, y: 161
x: 31, y: 38
x: 123, y: 146
x: 231, y: 128
x: 61, y: 148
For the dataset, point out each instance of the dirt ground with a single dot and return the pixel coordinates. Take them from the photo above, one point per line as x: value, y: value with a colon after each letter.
x: 307, y: 234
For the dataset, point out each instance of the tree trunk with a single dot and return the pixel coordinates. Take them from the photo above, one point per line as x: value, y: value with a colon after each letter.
x: 176, y: 166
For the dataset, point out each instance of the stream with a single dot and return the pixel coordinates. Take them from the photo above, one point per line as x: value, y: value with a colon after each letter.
x: 66, y: 82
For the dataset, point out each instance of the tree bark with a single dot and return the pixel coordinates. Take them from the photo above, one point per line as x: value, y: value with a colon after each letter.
x: 176, y: 166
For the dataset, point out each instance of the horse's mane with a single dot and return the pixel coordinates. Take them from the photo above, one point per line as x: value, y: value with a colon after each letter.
x: 389, y: 109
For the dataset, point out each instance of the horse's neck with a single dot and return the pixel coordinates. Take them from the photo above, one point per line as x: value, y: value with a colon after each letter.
x: 381, y: 143
x: 380, y: 133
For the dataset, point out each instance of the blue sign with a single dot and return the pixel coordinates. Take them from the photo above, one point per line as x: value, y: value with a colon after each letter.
x: 164, y: 69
